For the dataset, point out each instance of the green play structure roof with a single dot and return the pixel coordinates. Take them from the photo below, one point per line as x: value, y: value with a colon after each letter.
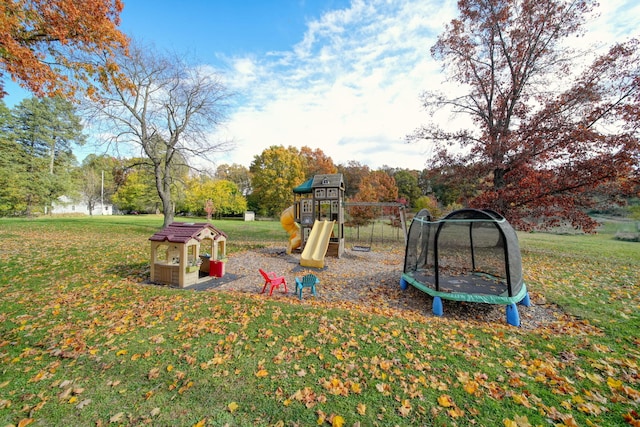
x: 304, y: 188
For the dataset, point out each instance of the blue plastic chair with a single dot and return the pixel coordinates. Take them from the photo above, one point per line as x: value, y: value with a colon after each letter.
x: 307, y: 281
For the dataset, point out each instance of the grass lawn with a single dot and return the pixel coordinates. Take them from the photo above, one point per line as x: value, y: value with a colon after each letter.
x: 83, y: 343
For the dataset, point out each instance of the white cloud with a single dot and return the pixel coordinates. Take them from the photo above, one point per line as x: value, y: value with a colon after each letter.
x: 618, y: 19
x: 244, y: 71
x: 351, y: 86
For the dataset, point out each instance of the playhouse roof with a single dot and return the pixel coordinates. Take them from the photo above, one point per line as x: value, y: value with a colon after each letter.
x: 320, y: 181
x: 328, y: 180
x: 182, y: 232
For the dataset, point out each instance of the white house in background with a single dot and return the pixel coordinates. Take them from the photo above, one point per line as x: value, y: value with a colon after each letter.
x: 65, y: 205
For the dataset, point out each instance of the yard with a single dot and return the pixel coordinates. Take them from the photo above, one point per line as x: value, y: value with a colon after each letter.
x: 85, y: 341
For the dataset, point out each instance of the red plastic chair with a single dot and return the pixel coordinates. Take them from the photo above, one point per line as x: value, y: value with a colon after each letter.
x: 272, y: 280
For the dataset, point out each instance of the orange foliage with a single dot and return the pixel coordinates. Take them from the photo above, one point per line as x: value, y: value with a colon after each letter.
x: 376, y: 186
x: 44, y: 43
x: 316, y: 162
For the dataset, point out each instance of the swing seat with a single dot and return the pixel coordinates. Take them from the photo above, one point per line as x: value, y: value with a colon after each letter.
x: 363, y: 248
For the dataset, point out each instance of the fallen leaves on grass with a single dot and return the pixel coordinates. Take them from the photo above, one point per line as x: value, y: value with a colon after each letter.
x: 342, y: 354
x: 117, y: 418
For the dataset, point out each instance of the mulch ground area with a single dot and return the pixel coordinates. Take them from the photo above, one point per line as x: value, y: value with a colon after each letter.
x: 367, y: 280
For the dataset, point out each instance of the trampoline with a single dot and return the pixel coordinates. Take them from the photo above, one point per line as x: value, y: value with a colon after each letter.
x: 470, y: 255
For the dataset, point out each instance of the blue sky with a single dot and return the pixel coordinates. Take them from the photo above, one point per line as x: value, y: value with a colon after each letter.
x: 213, y: 27
x: 340, y: 75
x: 335, y: 75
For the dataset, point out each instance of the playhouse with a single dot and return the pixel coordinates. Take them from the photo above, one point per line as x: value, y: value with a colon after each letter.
x: 186, y: 253
x: 469, y: 255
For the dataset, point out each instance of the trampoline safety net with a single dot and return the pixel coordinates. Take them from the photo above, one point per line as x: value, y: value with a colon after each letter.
x: 470, y: 255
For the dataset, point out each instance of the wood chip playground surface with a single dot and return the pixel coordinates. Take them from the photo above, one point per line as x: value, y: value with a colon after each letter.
x: 366, y: 281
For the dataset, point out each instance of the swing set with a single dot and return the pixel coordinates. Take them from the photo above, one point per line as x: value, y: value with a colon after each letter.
x: 401, y: 214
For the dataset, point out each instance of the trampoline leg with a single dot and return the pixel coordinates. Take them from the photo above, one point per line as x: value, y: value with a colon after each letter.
x: 526, y: 301
x: 403, y: 284
x: 437, y: 306
x: 513, y: 317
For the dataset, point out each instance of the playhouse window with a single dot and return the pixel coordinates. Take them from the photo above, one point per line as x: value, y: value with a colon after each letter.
x: 307, y: 206
x: 221, y: 252
x: 173, y: 254
x: 162, y: 254
x: 206, y: 247
x: 325, y: 208
x: 192, y: 255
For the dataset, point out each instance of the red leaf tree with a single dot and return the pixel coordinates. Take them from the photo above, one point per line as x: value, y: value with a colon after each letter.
x: 548, y: 139
x: 45, y: 44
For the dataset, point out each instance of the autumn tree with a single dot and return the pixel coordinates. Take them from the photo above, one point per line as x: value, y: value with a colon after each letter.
x: 546, y: 132
x: 378, y: 186
x: 165, y: 108
x: 316, y: 162
x: 429, y: 203
x: 375, y: 187
x: 237, y: 174
x: 44, y: 44
x: 353, y: 173
x: 224, y: 195
x: 276, y: 171
x: 137, y: 194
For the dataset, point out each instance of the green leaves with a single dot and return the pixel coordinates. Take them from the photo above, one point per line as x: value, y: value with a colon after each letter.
x: 224, y: 195
x: 275, y: 172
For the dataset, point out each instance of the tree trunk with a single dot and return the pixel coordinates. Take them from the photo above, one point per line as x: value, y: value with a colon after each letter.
x: 52, y: 157
x: 499, y: 183
x: 164, y: 191
x: 167, y: 209
x: 498, y: 179
x: 28, y: 208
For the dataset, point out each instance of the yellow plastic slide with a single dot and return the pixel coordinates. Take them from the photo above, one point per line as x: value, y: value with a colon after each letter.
x: 316, y: 247
x: 287, y: 219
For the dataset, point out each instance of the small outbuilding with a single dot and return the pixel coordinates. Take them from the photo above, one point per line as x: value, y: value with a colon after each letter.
x: 185, y: 253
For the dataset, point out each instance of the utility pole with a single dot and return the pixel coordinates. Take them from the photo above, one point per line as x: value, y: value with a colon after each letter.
x: 102, y: 195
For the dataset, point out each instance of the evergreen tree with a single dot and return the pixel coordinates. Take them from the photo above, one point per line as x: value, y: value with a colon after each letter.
x: 45, y: 130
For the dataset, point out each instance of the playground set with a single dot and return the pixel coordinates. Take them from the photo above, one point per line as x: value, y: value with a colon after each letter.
x: 470, y: 255
x: 315, y: 221
x: 186, y: 253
